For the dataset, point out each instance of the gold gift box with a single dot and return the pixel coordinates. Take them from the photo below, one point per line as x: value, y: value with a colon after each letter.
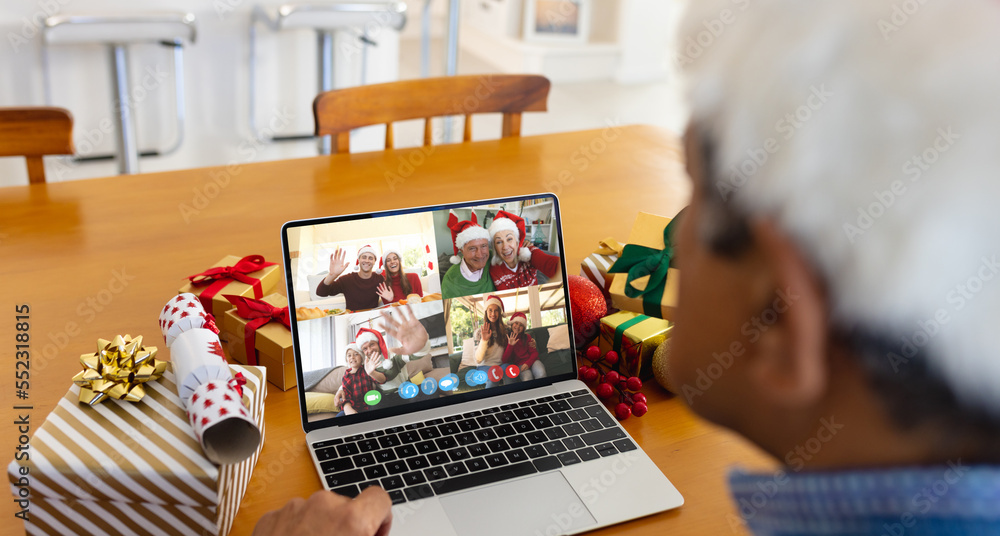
x: 647, y: 231
x: 639, y: 341
x: 269, y: 276
x: 132, y: 467
x: 273, y: 344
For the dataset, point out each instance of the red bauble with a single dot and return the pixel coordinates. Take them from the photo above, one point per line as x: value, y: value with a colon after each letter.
x: 587, y: 306
x: 622, y: 411
x: 639, y: 409
x: 611, y: 357
x: 593, y: 353
x: 633, y: 384
x: 605, y: 390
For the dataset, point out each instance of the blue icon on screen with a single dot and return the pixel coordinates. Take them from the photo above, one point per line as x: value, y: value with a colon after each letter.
x: 408, y: 390
x: 429, y: 386
x: 448, y: 383
x: 475, y: 377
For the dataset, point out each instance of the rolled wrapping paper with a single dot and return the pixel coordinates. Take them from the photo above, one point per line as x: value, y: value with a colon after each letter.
x: 181, y: 313
x: 205, y: 384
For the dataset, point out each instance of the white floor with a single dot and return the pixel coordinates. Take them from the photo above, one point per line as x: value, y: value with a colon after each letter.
x: 572, y: 106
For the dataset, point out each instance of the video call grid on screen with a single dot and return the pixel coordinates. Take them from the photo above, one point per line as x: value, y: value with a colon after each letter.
x: 335, y: 304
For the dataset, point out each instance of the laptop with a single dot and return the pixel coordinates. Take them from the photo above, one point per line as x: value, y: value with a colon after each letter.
x: 435, y: 358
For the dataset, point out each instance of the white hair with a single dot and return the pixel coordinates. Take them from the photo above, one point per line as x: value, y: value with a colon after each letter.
x: 870, y: 132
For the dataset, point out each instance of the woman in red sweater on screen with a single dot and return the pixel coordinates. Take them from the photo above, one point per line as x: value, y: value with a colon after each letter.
x: 398, y: 284
x: 521, y: 350
x: 516, y: 263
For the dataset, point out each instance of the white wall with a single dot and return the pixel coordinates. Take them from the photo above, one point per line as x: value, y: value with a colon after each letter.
x: 216, y: 84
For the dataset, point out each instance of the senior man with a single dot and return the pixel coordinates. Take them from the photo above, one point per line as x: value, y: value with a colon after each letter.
x: 469, y: 273
x: 840, y: 259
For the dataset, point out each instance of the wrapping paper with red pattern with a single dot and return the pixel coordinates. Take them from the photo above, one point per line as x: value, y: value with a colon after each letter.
x: 205, y: 385
x: 181, y: 313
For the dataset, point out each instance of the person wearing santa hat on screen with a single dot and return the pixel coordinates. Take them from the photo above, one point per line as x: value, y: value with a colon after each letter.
x: 516, y: 264
x: 521, y: 350
x: 469, y: 274
x: 398, y: 284
x: 360, y: 289
x: 391, y: 371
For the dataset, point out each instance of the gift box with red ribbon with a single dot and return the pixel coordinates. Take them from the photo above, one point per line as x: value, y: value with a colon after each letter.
x: 258, y: 334
x: 251, y: 276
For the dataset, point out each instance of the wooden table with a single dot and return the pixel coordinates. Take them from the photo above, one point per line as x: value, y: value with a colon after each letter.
x: 95, y: 258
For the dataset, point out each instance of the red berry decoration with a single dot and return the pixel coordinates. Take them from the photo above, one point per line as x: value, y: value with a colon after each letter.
x: 622, y: 411
x: 639, y: 397
x: 605, y: 390
x: 592, y: 375
x: 639, y: 409
x: 581, y: 372
x: 588, y: 306
x: 633, y: 384
x: 612, y: 377
x: 611, y: 357
x: 593, y: 353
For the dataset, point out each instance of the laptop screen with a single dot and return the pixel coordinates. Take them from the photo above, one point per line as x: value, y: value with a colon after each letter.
x: 410, y: 309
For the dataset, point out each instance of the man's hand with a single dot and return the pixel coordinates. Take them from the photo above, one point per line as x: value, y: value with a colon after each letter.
x: 385, y: 293
x: 338, y: 264
x: 372, y: 362
x: 325, y: 512
x: 408, y: 331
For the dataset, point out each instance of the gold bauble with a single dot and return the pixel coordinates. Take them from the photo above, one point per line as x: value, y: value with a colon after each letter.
x: 660, y: 370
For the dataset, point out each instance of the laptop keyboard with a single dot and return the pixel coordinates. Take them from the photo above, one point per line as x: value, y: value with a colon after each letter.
x: 458, y: 452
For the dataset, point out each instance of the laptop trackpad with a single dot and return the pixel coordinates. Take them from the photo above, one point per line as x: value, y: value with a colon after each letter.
x: 544, y: 503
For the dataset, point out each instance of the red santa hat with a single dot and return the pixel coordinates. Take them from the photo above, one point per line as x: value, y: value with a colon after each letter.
x: 493, y: 300
x: 367, y: 249
x: 366, y: 335
x: 505, y: 221
x: 520, y: 318
x: 464, y: 231
x: 385, y: 255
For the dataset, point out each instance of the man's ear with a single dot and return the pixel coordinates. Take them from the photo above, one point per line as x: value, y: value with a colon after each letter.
x: 789, y: 365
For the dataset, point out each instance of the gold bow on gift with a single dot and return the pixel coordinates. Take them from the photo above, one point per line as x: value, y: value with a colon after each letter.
x: 118, y: 370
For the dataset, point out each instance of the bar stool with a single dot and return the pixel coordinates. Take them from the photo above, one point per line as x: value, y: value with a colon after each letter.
x: 326, y: 20
x: 117, y: 32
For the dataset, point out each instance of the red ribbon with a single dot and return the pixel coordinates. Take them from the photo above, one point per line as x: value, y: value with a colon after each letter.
x: 258, y: 313
x: 217, y: 278
x: 238, y: 382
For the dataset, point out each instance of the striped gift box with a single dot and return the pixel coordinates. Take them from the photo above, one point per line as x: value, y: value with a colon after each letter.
x: 124, y: 468
x: 595, y: 266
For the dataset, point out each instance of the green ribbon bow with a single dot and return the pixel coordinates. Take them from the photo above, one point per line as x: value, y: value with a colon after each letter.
x: 641, y: 262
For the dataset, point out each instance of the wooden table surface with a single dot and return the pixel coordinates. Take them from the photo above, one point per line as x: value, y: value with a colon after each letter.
x: 95, y: 258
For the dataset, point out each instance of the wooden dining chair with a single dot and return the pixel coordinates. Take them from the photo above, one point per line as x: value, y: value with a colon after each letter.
x: 339, y: 111
x: 34, y: 132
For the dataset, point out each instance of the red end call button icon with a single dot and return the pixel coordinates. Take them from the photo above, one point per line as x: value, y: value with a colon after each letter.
x: 495, y: 374
x: 513, y: 371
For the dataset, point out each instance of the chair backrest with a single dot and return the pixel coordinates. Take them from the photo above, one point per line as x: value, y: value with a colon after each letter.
x: 339, y: 111
x: 33, y: 132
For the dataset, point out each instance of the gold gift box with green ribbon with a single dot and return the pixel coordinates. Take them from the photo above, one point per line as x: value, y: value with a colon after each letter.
x: 644, y: 282
x: 635, y: 338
